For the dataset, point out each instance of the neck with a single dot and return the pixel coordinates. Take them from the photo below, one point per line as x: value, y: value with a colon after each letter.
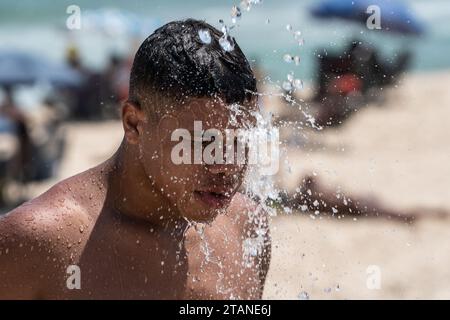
x: 133, y: 195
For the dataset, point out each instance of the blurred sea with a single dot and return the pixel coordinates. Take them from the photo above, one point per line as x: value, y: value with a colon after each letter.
x: 40, y: 26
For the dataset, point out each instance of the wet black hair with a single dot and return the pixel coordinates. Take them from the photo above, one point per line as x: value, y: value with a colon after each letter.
x: 175, y: 62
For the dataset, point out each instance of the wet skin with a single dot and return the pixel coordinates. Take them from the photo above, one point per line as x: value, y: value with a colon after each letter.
x: 125, y: 224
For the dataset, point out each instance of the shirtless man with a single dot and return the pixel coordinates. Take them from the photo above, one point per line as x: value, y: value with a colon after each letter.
x: 128, y: 228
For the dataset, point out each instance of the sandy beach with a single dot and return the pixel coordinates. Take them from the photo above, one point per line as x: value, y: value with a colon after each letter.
x: 397, y: 152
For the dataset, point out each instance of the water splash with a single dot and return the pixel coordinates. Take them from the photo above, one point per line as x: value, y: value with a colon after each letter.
x: 303, y: 295
x: 204, y: 36
x: 226, y: 43
x: 235, y: 14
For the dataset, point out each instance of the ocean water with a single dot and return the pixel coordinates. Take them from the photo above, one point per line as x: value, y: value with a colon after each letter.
x: 39, y: 26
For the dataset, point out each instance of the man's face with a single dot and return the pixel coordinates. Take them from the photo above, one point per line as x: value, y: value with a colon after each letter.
x: 199, y: 191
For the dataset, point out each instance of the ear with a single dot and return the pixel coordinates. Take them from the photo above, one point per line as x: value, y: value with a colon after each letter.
x: 133, y: 120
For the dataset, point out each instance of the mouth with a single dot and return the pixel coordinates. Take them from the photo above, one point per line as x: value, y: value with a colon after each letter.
x: 214, y: 199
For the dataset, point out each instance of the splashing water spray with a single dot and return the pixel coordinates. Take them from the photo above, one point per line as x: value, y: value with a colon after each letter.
x: 257, y: 185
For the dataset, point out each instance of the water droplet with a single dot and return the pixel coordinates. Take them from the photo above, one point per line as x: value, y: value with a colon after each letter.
x: 297, y: 60
x: 287, y: 58
x: 235, y: 14
x: 225, y: 43
x: 287, y: 86
x: 288, y: 27
x: 290, y: 77
x: 287, y: 210
x: 246, y: 4
x: 204, y: 36
x: 303, y: 295
x: 298, y: 84
x: 81, y: 229
x: 267, y: 21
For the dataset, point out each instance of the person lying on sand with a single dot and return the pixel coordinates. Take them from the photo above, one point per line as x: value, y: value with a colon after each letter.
x: 129, y: 227
x: 313, y: 196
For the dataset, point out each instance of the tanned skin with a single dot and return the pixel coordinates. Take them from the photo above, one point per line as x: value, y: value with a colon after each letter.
x: 129, y: 224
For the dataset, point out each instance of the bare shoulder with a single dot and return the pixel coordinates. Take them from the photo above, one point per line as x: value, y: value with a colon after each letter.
x: 34, y: 239
x: 60, y: 207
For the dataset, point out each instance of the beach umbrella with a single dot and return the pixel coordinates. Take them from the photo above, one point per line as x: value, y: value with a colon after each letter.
x: 18, y: 68
x: 395, y: 15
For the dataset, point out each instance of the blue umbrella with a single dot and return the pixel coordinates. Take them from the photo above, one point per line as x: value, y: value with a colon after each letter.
x: 24, y: 68
x: 395, y: 16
